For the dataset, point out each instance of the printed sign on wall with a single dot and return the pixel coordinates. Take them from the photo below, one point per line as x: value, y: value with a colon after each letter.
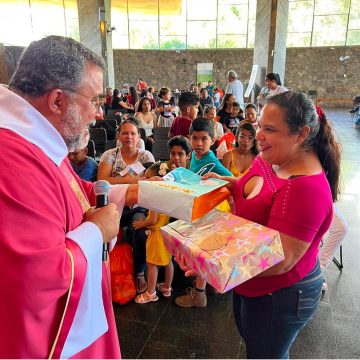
x: 204, y: 72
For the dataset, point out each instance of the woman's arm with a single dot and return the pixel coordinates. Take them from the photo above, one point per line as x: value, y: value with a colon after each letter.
x: 125, y: 105
x: 105, y: 173
x: 230, y: 179
x: 294, y: 250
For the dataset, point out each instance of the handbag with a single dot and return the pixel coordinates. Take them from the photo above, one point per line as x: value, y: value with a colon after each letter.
x: 123, y: 287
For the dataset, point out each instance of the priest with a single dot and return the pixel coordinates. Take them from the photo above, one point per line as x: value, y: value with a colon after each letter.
x: 56, y: 299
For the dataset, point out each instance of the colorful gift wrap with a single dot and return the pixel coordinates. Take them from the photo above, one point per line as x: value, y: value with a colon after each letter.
x: 182, y: 195
x: 224, y: 249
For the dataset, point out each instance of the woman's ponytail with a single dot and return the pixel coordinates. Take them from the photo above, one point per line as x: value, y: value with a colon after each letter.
x: 329, y: 151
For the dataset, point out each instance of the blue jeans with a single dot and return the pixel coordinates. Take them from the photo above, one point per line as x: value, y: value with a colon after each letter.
x: 269, y: 324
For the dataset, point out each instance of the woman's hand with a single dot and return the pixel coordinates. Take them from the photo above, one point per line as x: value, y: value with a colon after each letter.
x: 183, y: 266
x: 210, y: 175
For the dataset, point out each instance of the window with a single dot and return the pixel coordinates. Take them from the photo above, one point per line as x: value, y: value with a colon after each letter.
x: 37, y: 19
x: 181, y: 24
x: 323, y: 23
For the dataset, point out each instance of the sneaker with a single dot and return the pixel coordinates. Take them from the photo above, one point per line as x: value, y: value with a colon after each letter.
x: 192, y: 298
x: 145, y: 297
x: 325, y: 286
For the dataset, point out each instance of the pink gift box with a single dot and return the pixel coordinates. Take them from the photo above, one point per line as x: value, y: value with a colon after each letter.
x: 224, y: 249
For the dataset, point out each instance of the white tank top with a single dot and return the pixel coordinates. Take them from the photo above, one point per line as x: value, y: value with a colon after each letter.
x: 148, y: 127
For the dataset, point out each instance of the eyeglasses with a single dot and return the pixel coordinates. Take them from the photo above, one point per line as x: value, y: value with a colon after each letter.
x: 92, y: 100
x: 248, y: 138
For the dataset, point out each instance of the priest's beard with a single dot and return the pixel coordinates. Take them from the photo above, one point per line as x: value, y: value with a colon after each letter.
x: 72, y: 130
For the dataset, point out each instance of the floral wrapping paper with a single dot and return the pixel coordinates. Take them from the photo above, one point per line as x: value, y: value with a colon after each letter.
x: 223, y: 248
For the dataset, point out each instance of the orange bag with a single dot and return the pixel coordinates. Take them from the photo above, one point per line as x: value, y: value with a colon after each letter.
x: 122, y: 274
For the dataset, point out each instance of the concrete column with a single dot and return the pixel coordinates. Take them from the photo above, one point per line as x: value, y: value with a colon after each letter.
x: 94, y: 36
x: 270, y: 38
x: 3, y: 66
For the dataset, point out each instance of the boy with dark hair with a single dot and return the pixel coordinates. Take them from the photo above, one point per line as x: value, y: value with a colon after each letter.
x: 202, y: 162
x: 180, y: 150
x: 188, y: 104
x: 203, y: 159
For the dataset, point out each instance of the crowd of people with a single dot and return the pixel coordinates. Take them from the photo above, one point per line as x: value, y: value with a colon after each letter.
x: 282, y: 171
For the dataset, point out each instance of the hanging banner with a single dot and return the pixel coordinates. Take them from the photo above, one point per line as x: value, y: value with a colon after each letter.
x: 251, y: 81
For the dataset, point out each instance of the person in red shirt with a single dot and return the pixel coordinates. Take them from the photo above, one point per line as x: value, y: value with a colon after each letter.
x: 141, y: 85
x: 188, y: 104
x: 108, y: 98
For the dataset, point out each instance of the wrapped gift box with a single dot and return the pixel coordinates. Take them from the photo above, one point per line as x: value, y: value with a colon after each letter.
x: 182, y: 195
x: 224, y: 249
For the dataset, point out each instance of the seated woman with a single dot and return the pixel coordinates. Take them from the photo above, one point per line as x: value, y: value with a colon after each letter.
x: 147, y: 120
x: 133, y: 97
x: 119, y: 103
x: 238, y: 161
x: 115, y: 167
x: 224, y: 112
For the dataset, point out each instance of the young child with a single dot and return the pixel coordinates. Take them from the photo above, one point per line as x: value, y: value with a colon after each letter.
x: 180, y: 151
x: 232, y: 122
x: 188, y: 104
x: 156, y: 252
x: 165, y: 107
x: 203, y: 161
x: 201, y: 138
x: 251, y: 115
x: 84, y: 166
x: 217, y: 99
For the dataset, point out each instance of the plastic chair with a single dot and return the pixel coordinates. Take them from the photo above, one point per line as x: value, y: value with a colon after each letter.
x: 161, y: 133
x: 117, y: 118
x: 160, y: 150
x: 99, y: 136
x: 339, y: 263
x: 111, y: 122
x: 91, y: 149
x: 110, y: 144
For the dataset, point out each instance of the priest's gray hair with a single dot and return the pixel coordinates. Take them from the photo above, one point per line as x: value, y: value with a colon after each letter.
x: 232, y: 73
x: 54, y: 62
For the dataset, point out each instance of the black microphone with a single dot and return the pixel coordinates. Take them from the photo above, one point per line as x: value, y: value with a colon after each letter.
x: 102, y: 189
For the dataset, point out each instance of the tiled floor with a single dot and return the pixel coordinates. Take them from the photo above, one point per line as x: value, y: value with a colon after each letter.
x: 163, y: 330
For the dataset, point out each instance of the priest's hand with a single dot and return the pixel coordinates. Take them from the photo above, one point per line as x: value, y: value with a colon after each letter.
x: 107, y: 219
x: 131, y: 197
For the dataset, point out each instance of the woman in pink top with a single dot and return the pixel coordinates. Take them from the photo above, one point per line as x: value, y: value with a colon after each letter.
x: 290, y: 187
